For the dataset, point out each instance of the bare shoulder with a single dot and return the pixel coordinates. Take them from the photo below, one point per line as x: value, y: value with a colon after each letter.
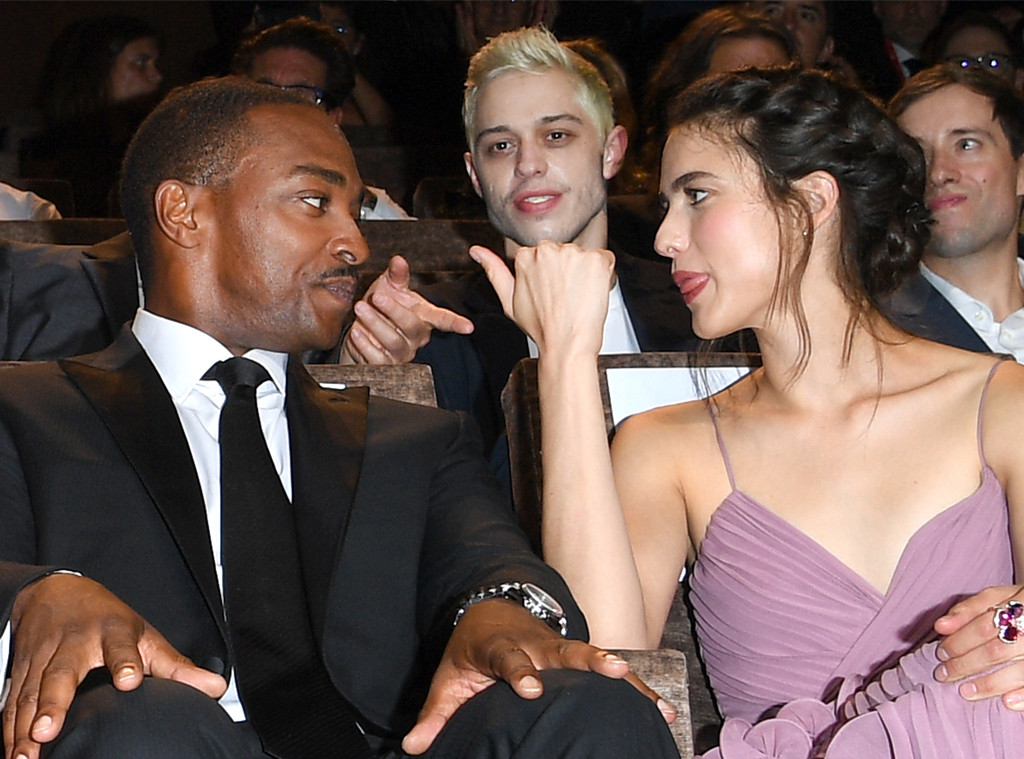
x: 1002, y: 432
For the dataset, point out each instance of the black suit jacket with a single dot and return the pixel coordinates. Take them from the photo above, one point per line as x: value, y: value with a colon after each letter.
x: 64, y: 300
x: 97, y: 476
x: 921, y: 310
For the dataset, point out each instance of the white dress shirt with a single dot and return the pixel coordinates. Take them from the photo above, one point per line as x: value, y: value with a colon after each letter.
x: 619, y: 336
x: 1006, y: 336
x: 182, y: 355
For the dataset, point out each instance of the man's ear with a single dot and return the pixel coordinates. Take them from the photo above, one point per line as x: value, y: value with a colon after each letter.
x: 175, y: 208
x: 821, y: 192
x: 614, y: 152
x: 1020, y: 174
x: 471, y: 170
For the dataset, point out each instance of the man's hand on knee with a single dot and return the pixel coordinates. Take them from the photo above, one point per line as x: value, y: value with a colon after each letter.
x: 63, y: 627
x: 500, y: 640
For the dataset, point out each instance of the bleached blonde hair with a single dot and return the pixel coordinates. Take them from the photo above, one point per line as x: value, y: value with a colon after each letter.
x: 535, y: 50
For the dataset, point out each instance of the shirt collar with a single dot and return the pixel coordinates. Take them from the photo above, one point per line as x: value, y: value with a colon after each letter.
x: 182, y: 354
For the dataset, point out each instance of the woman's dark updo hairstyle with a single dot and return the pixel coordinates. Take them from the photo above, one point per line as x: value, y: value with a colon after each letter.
x: 792, y: 123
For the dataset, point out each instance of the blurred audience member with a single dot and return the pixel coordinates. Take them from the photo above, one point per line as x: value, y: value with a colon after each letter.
x: 365, y: 105
x: 309, y: 58
x: 630, y: 179
x: 477, y: 22
x: 810, y: 24
x: 99, y: 81
x: 722, y: 39
x: 905, y: 27
x: 19, y: 205
x: 977, y: 40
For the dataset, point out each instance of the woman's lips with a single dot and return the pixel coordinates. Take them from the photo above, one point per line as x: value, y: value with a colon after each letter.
x: 690, y: 284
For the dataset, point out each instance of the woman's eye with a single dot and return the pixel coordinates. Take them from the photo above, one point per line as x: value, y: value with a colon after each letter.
x: 696, y: 196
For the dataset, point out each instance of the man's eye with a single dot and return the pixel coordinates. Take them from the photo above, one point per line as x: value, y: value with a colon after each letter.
x: 501, y: 146
x: 968, y: 144
x: 317, y: 201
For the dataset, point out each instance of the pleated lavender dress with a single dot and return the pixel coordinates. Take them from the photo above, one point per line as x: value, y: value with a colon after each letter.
x: 808, y: 659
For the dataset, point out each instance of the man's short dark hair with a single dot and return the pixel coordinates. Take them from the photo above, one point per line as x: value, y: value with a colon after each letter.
x: 1007, y: 104
x: 313, y: 37
x: 197, y: 135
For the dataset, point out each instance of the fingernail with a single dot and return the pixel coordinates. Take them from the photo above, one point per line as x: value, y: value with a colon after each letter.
x: 613, y: 658
x: 530, y: 684
x: 125, y: 673
x: 1014, y: 701
x: 667, y: 710
x: 940, y: 652
x: 969, y: 691
x: 941, y: 674
x: 43, y: 722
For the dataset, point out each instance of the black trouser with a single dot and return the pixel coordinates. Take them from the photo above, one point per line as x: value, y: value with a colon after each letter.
x: 580, y: 715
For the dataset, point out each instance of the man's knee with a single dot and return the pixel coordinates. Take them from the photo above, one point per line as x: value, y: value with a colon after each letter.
x: 160, y: 718
x: 580, y: 714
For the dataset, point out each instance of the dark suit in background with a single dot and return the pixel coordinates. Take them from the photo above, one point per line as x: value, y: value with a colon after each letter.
x: 921, y: 310
x: 64, y: 300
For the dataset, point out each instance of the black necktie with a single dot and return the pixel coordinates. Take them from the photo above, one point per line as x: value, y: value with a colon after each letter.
x: 284, y: 686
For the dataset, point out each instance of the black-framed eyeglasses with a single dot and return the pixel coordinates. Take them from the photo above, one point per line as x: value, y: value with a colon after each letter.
x: 996, y: 62
x: 314, y: 95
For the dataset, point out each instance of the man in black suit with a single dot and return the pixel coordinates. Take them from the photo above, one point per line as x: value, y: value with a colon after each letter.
x: 970, y: 292
x: 116, y: 501
x: 542, y: 146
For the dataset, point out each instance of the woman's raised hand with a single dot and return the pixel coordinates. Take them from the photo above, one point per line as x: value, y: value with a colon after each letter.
x: 558, y: 294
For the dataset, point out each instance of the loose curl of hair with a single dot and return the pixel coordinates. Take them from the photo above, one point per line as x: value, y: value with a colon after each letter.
x: 791, y: 124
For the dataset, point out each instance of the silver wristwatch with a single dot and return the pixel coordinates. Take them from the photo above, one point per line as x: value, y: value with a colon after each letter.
x: 535, y: 600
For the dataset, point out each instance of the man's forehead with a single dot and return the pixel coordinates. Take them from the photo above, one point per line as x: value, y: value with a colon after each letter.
x: 954, y: 108
x: 305, y: 132
x: 550, y: 94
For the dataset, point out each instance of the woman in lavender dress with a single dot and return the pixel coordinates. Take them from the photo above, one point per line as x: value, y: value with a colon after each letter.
x: 843, y: 507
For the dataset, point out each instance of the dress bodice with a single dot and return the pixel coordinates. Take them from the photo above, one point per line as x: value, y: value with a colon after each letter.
x: 780, y: 618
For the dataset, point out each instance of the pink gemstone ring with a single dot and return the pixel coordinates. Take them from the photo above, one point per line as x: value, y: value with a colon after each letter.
x: 1009, y: 621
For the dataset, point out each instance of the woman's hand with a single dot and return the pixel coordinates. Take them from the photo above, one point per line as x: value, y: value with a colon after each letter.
x: 558, y: 295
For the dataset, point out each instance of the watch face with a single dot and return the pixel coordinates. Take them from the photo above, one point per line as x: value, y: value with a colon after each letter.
x: 541, y: 599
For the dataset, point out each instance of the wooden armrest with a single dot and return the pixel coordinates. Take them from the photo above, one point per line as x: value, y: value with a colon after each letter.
x: 664, y: 669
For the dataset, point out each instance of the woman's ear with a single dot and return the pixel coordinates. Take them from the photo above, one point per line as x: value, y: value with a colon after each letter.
x: 175, y: 209
x: 821, y: 194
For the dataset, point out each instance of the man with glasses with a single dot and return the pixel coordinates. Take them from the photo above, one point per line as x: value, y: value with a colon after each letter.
x: 977, y: 40
x: 309, y: 59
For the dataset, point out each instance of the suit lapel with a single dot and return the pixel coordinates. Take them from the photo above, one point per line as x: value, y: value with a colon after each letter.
x: 327, y: 437
x: 126, y: 392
